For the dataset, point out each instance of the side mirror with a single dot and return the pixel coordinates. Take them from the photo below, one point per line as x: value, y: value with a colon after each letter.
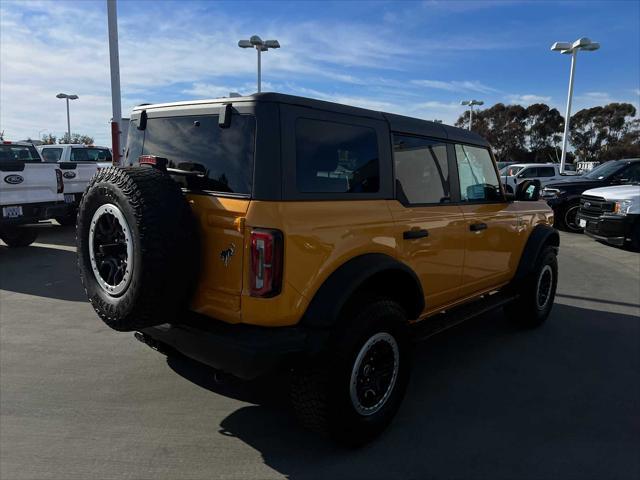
x: 528, y: 191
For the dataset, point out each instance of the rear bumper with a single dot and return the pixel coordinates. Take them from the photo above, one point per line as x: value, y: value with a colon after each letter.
x: 612, y: 229
x: 35, y: 212
x: 246, y: 351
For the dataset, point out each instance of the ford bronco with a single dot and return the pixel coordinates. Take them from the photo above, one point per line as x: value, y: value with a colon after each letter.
x: 274, y: 231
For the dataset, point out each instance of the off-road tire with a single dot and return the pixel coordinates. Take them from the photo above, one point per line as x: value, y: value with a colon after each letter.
x: 19, y: 237
x: 566, y: 214
x: 320, y: 389
x: 528, y: 310
x: 164, y: 239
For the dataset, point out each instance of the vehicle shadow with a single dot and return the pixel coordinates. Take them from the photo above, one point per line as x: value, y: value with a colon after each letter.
x: 486, y: 401
x: 41, y: 271
x: 58, y: 235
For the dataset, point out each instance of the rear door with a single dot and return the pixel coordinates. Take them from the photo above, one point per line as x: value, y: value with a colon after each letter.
x: 214, y: 167
x: 431, y: 230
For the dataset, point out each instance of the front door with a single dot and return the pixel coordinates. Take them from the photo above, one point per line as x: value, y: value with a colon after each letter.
x: 491, y: 225
x: 430, y: 230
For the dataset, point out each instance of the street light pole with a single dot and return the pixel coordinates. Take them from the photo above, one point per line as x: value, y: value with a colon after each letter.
x: 261, y: 46
x: 571, y: 49
x: 567, y: 115
x: 470, y: 104
x: 259, y: 70
x: 68, y: 97
x: 114, y: 66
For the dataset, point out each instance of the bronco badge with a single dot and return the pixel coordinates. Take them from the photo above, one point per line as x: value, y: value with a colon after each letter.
x: 225, y: 255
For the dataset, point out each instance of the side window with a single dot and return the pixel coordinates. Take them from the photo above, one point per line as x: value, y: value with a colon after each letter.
x: 422, y: 171
x: 477, y: 175
x: 79, y: 155
x: 51, y: 154
x: 546, y: 171
x: 531, y: 172
x: 336, y: 157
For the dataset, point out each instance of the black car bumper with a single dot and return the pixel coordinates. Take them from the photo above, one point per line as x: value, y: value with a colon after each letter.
x: 613, y: 229
x: 34, y: 213
x: 246, y: 351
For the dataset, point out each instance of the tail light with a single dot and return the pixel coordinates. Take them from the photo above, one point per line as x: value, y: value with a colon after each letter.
x: 266, y: 262
x: 59, y: 182
x: 157, y: 162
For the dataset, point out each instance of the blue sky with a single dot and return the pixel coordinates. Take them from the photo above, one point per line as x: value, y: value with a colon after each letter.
x: 415, y: 58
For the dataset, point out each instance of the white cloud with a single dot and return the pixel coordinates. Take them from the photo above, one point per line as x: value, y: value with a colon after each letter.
x: 528, y: 99
x: 455, y: 85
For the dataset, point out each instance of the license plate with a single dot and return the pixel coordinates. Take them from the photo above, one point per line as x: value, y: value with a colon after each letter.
x: 69, y: 198
x: 12, y: 212
x: 582, y: 223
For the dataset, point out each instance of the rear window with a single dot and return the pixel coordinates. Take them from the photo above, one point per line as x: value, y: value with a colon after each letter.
x: 336, y: 157
x: 18, y: 153
x: 51, y: 154
x: 90, y: 154
x: 203, y: 155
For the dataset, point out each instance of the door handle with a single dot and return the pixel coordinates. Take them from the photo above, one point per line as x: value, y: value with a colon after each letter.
x: 413, y: 234
x: 476, y: 227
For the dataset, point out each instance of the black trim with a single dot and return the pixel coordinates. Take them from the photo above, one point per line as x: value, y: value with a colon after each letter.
x: 246, y: 351
x: 540, y: 236
x: 325, y: 307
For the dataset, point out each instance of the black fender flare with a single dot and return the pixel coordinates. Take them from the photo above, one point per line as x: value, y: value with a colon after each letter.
x: 540, y: 236
x: 325, y: 307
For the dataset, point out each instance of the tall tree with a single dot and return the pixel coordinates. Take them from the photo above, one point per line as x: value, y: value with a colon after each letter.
x: 544, y: 127
x: 49, y: 139
x: 76, y: 138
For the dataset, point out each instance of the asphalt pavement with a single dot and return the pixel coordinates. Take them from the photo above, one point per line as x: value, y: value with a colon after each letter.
x: 80, y: 401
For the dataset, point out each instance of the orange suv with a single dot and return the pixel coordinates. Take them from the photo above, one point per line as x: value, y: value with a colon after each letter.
x: 273, y: 231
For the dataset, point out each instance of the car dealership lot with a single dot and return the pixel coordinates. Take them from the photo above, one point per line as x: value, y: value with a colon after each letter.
x: 78, y: 400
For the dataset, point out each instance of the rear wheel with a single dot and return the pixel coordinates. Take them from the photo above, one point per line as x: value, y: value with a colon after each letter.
x: 353, y: 391
x: 136, y: 247
x: 536, y: 293
x: 19, y: 237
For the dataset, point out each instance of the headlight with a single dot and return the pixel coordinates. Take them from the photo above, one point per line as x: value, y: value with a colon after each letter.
x: 622, y: 207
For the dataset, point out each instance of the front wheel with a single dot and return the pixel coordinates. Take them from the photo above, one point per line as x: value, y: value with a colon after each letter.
x: 568, y: 218
x: 536, y: 294
x: 353, y: 391
x: 19, y: 237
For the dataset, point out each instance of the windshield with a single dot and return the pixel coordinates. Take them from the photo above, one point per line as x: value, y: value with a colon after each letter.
x: 603, y: 171
x: 216, y: 159
x: 18, y: 153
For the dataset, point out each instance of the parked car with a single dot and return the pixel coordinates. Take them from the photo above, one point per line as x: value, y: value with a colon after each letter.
x: 30, y: 191
x: 612, y: 214
x: 100, y: 156
x: 274, y: 231
x: 517, y: 172
x: 564, y: 196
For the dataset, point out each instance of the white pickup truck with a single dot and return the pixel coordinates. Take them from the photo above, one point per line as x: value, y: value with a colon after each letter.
x: 30, y: 191
x: 78, y: 164
x: 612, y: 214
x: 516, y: 173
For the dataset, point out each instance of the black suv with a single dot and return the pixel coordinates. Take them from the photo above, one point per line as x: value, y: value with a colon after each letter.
x: 564, y: 196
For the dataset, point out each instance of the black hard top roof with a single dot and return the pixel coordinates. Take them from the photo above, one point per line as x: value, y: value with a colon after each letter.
x: 398, y: 123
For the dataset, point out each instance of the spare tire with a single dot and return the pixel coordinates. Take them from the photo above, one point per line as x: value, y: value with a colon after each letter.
x: 137, y: 247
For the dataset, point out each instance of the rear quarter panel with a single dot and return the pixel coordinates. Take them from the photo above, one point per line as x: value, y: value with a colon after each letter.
x: 319, y: 237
